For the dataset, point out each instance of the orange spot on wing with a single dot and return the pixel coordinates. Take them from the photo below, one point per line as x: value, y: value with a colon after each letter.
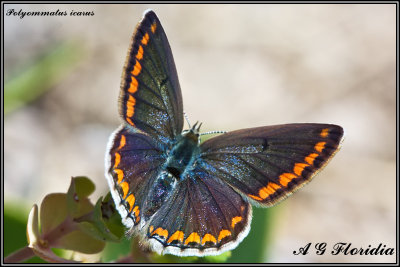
x: 208, y: 238
x: 310, y: 158
x: 299, y: 168
x: 178, y: 235
x: 131, y: 201
x: 120, y: 175
x: 268, y: 190
x: 130, y: 106
x: 193, y: 237
x: 151, y: 229
x: 274, y: 186
x: 133, y: 86
x: 320, y: 146
x: 223, y: 234
x: 139, y: 54
x: 136, y: 69
x: 161, y: 232
x: 122, y: 142
x: 117, y: 160
x: 235, y: 220
x: 129, y: 121
x: 324, y: 133
x: 255, y: 197
x: 153, y: 27
x: 145, y: 39
x: 125, y: 188
x: 136, y: 211
x: 286, y: 178
x: 265, y: 192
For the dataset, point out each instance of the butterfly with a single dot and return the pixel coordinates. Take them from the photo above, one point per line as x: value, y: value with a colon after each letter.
x: 191, y: 198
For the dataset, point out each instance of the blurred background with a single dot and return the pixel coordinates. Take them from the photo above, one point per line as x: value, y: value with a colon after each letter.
x: 239, y: 66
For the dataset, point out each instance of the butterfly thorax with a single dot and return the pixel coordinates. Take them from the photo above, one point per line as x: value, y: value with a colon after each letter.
x: 183, y: 154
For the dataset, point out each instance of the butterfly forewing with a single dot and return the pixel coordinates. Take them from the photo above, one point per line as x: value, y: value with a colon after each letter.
x: 150, y: 97
x: 267, y: 164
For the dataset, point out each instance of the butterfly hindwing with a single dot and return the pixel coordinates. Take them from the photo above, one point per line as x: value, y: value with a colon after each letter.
x: 204, y: 216
x: 132, y: 165
x: 266, y: 164
x: 150, y: 96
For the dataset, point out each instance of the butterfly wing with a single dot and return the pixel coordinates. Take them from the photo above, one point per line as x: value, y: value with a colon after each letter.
x: 133, y: 163
x: 150, y: 96
x: 267, y: 164
x: 151, y: 106
x: 204, y: 216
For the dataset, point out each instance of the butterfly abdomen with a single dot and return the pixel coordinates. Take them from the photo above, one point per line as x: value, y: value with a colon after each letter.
x: 160, y: 191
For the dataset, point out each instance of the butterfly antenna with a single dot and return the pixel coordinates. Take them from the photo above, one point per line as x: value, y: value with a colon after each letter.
x: 211, y: 132
x: 187, y: 120
x: 214, y: 132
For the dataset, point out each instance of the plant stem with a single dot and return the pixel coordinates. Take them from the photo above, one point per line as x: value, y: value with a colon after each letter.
x: 67, y: 226
x: 49, y: 240
x: 20, y: 255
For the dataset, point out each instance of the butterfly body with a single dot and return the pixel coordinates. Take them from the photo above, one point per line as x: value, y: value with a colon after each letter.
x: 183, y: 155
x: 185, y: 197
x: 179, y: 161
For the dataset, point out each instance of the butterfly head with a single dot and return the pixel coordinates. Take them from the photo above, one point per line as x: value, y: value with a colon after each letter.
x: 193, y: 133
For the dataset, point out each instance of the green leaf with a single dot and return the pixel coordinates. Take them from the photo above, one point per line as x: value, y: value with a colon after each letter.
x: 81, y: 242
x: 53, y: 211
x: 95, y: 226
x: 60, y: 208
x: 77, y: 202
x: 84, y: 186
x: 84, y: 207
x: 72, y: 199
x: 111, y: 217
